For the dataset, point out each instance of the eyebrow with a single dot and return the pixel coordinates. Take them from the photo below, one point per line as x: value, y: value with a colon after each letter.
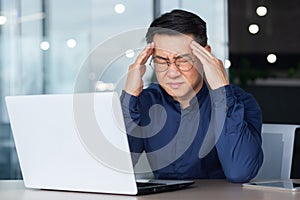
x: 180, y: 56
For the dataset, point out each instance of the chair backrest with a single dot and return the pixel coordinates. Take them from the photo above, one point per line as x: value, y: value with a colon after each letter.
x: 278, y: 145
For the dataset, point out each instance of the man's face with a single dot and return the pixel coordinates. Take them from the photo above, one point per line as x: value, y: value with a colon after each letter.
x: 179, y: 84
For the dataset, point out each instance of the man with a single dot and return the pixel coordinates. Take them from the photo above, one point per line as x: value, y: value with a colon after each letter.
x: 172, y: 119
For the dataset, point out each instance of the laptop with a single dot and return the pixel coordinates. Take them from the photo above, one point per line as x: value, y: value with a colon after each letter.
x: 295, y: 168
x: 77, y: 142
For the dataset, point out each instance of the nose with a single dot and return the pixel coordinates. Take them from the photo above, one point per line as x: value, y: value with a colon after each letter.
x: 173, y: 71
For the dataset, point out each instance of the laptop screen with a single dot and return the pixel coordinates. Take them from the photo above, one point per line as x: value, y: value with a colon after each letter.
x: 295, y: 171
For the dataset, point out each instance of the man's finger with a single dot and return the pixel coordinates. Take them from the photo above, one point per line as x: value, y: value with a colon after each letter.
x: 145, y: 54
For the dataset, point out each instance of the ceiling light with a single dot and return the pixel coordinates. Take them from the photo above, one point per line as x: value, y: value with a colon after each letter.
x: 253, y: 28
x: 227, y: 64
x: 45, y: 45
x: 3, y: 20
x: 261, y: 11
x: 271, y: 58
x: 129, y: 53
x: 71, y: 43
x: 119, y: 8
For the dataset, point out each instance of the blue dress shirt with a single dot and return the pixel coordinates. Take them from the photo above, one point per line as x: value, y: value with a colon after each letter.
x: 172, y: 136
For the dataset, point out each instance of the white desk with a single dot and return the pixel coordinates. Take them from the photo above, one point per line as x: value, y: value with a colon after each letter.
x: 202, y: 189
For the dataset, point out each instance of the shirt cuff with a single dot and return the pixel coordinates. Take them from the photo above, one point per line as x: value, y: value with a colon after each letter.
x: 128, y: 101
x: 223, y: 95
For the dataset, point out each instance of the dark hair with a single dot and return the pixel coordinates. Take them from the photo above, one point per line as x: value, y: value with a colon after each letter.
x: 177, y: 22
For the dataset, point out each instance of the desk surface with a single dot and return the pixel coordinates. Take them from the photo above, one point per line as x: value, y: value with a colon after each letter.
x: 202, y: 189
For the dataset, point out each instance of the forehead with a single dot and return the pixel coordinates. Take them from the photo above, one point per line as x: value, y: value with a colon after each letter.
x: 172, y: 44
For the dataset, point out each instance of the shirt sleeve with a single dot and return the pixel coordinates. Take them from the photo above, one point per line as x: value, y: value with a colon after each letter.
x: 131, y: 114
x: 239, y: 144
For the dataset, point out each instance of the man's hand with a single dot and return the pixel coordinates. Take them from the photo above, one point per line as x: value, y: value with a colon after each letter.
x: 136, y: 71
x: 213, y: 68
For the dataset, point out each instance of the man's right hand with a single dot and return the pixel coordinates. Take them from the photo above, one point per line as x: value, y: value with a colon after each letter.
x: 136, y: 71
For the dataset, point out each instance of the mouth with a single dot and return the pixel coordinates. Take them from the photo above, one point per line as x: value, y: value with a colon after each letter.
x: 175, y: 85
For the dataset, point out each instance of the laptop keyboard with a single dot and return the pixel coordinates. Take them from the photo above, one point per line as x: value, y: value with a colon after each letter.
x: 142, y: 184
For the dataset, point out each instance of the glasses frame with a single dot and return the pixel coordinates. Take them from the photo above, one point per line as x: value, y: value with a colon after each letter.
x: 170, y: 63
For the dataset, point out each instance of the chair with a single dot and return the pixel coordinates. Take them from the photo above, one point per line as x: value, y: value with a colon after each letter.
x: 278, y: 146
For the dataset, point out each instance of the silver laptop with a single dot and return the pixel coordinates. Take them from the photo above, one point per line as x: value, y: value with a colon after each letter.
x: 76, y: 142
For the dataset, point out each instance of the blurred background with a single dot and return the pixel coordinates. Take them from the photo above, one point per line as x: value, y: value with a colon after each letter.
x: 45, y: 44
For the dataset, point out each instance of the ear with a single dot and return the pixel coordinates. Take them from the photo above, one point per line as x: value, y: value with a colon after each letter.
x: 208, y: 48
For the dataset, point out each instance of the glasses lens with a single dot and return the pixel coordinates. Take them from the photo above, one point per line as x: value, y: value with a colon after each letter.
x: 184, y: 63
x: 159, y: 64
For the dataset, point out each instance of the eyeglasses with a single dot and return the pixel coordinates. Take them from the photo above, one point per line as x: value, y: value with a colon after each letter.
x: 183, y: 63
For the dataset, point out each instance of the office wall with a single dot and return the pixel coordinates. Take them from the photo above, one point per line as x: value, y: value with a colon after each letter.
x: 279, y: 103
x: 275, y: 84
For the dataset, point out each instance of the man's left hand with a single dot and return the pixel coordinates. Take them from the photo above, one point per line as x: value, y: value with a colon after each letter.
x: 213, y: 68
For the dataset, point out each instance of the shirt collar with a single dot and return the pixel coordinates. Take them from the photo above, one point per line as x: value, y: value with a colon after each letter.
x: 199, y: 98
